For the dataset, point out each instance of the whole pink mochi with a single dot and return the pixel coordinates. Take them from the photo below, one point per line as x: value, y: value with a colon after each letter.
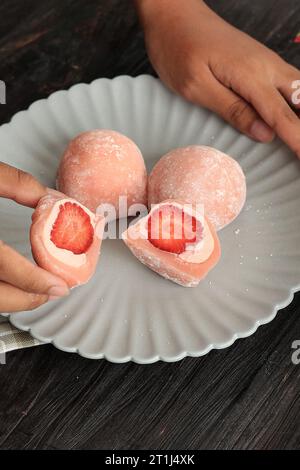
x: 203, y: 175
x: 99, y: 166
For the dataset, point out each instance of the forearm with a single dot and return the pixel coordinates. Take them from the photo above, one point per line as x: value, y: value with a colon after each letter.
x: 159, y: 16
x: 148, y: 9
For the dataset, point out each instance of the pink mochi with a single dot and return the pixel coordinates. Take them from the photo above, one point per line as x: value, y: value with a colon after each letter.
x: 186, y: 269
x: 99, y: 166
x: 75, y: 269
x: 201, y: 175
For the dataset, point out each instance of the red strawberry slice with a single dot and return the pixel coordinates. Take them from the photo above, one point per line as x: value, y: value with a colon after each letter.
x: 171, y: 229
x: 72, y: 229
x: 297, y: 39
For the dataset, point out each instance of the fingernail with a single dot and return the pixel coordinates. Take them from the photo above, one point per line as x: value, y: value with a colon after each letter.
x: 53, y: 297
x: 261, y: 131
x: 53, y: 192
x: 57, y: 292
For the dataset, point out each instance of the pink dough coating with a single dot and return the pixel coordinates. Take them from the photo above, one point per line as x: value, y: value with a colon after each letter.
x: 74, y: 269
x: 184, y: 269
x: 99, y: 166
x: 202, y: 175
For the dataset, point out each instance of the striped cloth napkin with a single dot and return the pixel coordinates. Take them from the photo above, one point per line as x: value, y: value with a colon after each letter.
x: 11, y: 338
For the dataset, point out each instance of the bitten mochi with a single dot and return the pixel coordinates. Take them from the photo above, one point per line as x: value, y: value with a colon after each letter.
x: 185, y: 258
x: 202, y: 175
x: 66, y: 238
x: 101, y: 165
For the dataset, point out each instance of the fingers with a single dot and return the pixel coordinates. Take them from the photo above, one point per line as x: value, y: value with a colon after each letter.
x: 263, y: 112
x: 19, y: 186
x: 21, y: 273
x: 289, y: 85
x: 277, y: 113
x: 291, y: 92
x: 13, y: 299
x: 234, y: 109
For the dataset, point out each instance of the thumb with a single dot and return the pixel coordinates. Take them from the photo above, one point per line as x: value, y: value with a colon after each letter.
x: 20, y: 186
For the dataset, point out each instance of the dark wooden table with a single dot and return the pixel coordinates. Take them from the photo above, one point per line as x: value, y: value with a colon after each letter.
x: 246, y: 396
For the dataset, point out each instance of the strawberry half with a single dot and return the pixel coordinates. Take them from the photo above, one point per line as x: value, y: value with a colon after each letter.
x: 72, y: 229
x: 171, y: 229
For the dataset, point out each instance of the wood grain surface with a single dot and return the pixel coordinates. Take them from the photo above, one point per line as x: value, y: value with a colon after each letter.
x: 243, y: 397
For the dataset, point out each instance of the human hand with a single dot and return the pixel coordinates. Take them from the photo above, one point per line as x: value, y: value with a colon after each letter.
x: 211, y: 63
x: 23, y: 285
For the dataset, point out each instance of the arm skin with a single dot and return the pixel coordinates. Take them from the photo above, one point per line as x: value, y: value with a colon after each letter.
x: 213, y: 64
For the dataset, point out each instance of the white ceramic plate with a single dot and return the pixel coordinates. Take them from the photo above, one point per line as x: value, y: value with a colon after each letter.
x: 127, y: 312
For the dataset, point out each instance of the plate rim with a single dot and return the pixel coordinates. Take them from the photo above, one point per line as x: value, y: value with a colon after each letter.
x: 80, y: 84
x: 170, y: 359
